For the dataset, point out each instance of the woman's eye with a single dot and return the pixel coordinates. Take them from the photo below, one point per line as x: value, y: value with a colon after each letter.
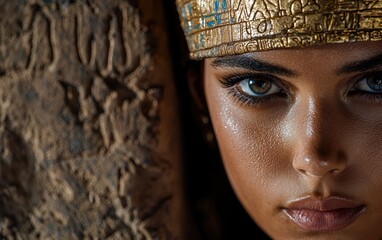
x: 258, y: 87
x: 370, y: 83
x: 255, y: 89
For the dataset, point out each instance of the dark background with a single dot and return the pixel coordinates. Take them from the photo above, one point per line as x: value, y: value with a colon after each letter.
x: 214, y: 206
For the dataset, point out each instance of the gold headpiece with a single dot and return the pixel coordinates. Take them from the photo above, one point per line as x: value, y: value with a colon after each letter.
x: 225, y: 27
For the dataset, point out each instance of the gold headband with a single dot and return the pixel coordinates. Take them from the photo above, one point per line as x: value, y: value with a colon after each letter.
x: 226, y: 27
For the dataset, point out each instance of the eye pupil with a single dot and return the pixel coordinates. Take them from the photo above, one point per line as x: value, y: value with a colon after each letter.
x: 261, y: 86
x: 375, y: 83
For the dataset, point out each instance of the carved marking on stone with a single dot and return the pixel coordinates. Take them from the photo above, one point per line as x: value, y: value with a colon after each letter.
x: 52, y: 37
x: 85, y: 53
x: 107, y: 70
x: 122, y: 31
x: 126, y: 48
x: 41, y: 37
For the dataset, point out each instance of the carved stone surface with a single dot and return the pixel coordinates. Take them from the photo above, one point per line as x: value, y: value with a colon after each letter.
x: 84, y: 152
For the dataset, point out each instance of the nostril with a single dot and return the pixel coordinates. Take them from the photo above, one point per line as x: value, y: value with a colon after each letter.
x: 302, y: 171
x: 334, y: 171
x: 317, y: 164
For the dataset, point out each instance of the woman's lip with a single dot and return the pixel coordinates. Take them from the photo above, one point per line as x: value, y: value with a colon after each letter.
x: 328, y: 204
x: 330, y: 214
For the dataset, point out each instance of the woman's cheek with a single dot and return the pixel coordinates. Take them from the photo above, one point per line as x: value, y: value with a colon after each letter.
x: 254, y: 151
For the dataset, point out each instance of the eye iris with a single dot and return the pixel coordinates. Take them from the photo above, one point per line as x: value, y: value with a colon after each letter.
x: 375, y: 83
x: 261, y: 86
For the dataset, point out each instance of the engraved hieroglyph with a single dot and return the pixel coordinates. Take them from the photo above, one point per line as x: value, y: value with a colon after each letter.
x: 80, y: 104
x: 224, y: 27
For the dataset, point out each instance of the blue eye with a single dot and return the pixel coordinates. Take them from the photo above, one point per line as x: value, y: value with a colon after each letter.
x: 370, y: 83
x: 257, y: 87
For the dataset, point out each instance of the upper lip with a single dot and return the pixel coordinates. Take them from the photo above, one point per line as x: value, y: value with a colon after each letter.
x: 323, y: 205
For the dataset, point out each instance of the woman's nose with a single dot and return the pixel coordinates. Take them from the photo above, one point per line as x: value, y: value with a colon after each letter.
x: 318, y: 150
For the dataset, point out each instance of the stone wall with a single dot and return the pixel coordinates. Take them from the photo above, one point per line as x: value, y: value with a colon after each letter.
x: 89, y: 128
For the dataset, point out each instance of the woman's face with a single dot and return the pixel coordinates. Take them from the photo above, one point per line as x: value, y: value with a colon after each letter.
x: 300, y: 133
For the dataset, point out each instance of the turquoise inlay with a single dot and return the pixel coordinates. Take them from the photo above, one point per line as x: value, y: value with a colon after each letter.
x: 224, y: 5
x: 189, y: 8
x: 216, y: 5
x: 202, y: 40
x: 210, y: 24
x: 232, y: 20
x: 218, y: 19
x: 196, y: 26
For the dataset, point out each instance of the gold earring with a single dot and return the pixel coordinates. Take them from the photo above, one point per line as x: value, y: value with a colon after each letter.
x: 207, y: 129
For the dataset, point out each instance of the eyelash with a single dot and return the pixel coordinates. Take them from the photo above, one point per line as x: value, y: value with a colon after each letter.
x: 231, y: 82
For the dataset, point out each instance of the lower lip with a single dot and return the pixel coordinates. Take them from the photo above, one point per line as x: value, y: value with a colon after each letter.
x: 314, y: 220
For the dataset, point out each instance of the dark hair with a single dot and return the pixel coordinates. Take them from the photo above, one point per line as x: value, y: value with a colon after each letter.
x: 215, y: 209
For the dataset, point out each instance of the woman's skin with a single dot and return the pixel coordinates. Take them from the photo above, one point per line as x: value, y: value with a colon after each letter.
x: 303, y: 124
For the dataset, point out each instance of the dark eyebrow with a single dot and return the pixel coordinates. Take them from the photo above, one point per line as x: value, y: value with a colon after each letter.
x: 251, y: 64
x: 362, y: 65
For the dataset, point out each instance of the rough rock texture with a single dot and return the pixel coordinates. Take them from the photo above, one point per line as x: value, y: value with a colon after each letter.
x: 86, y: 105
